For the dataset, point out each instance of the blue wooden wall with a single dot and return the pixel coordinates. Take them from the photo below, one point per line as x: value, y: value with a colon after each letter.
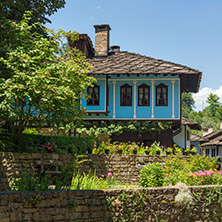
x: 142, y: 112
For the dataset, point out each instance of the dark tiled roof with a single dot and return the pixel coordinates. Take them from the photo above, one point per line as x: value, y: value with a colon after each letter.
x: 197, y: 138
x: 191, y: 124
x: 214, y: 138
x: 213, y: 134
x: 132, y: 63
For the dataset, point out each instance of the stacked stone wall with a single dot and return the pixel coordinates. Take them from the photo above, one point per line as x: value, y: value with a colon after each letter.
x: 123, y: 167
x: 150, y: 204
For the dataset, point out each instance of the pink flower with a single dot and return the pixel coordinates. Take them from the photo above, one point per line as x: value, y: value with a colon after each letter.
x: 138, y: 142
x: 53, y: 139
x: 204, y: 174
x: 201, y: 181
x: 102, y: 175
x: 195, y: 173
x: 95, y: 145
x: 109, y: 174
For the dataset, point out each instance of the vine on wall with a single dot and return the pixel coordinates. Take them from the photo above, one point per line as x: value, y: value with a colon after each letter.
x: 109, y: 128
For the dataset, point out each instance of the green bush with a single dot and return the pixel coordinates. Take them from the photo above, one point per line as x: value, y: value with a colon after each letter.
x: 193, y: 170
x: 61, y: 144
x: 91, y: 181
x: 152, y: 175
x: 6, y: 144
x: 27, y: 182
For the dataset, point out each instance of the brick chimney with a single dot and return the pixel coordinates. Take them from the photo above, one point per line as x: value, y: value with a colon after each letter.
x: 101, y: 40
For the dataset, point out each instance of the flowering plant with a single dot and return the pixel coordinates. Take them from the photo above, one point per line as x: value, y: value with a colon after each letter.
x: 50, y: 146
x: 205, y: 177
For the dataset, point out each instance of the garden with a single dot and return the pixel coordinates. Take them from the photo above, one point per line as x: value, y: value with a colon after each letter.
x: 177, y: 165
x: 102, y: 181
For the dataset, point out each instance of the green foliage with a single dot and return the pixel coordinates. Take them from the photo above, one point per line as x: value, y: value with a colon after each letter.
x: 63, y: 180
x: 213, y: 110
x: 152, y: 175
x: 31, y: 131
x: 27, y: 182
x: 210, y: 117
x: 187, y: 104
x: 91, y: 181
x: 110, y: 128
x: 193, y: 170
x: 127, y: 148
x: 14, y: 10
x: 62, y: 144
x: 5, y: 141
x: 43, y: 87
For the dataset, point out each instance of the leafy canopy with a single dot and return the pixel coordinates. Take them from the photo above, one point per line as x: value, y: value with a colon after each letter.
x: 43, y: 87
x: 187, y: 104
x: 41, y: 9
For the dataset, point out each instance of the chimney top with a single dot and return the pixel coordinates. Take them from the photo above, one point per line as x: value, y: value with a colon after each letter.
x: 101, y: 40
x: 104, y: 27
x: 115, y: 48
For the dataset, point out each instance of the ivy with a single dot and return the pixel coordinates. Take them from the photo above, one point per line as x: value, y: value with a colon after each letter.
x: 109, y: 128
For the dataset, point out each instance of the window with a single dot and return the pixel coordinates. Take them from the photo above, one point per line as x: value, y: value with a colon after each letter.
x: 126, y: 95
x: 207, y: 152
x: 213, y: 152
x: 143, y: 95
x: 94, y: 96
x: 161, y: 95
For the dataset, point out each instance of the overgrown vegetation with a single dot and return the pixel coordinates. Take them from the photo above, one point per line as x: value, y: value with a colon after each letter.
x: 42, y: 88
x: 209, y: 117
x: 109, y: 128
x: 194, y: 170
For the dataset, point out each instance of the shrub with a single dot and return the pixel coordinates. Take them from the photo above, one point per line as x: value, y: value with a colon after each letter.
x: 152, y: 175
x: 91, y: 181
x: 27, y: 182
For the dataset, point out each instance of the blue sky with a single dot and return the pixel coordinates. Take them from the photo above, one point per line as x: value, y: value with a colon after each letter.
x: 188, y: 32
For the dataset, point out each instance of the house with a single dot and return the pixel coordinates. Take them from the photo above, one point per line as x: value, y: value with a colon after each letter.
x: 213, y: 147
x: 182, y: 136
x: 131, y: 86
x: 196, y: 141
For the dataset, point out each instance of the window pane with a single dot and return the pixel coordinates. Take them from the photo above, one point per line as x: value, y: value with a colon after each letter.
x: 90, y: 90
x: 164, y: 90
x: 140, y: 90
x: 146, y: 90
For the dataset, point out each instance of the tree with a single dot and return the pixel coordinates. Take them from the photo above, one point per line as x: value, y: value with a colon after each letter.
x: 215, y: 108
x: 187, y: 104
x: 43, y: 87
x: 41, y: 9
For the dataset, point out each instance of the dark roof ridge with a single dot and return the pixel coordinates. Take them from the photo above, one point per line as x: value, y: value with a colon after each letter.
x: 208, y: 136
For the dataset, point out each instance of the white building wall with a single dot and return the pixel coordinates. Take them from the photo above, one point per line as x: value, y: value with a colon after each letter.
x: 181, y: 138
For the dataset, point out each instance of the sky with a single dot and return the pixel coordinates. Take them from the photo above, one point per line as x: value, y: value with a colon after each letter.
x: 187, y: 32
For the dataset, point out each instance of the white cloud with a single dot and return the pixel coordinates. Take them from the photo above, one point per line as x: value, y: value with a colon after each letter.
x: 201, y: 97
x: 99, y: 7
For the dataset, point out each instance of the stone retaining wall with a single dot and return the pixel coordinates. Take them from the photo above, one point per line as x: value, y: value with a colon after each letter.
x: 150, y: 204
x: 124, y: 167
